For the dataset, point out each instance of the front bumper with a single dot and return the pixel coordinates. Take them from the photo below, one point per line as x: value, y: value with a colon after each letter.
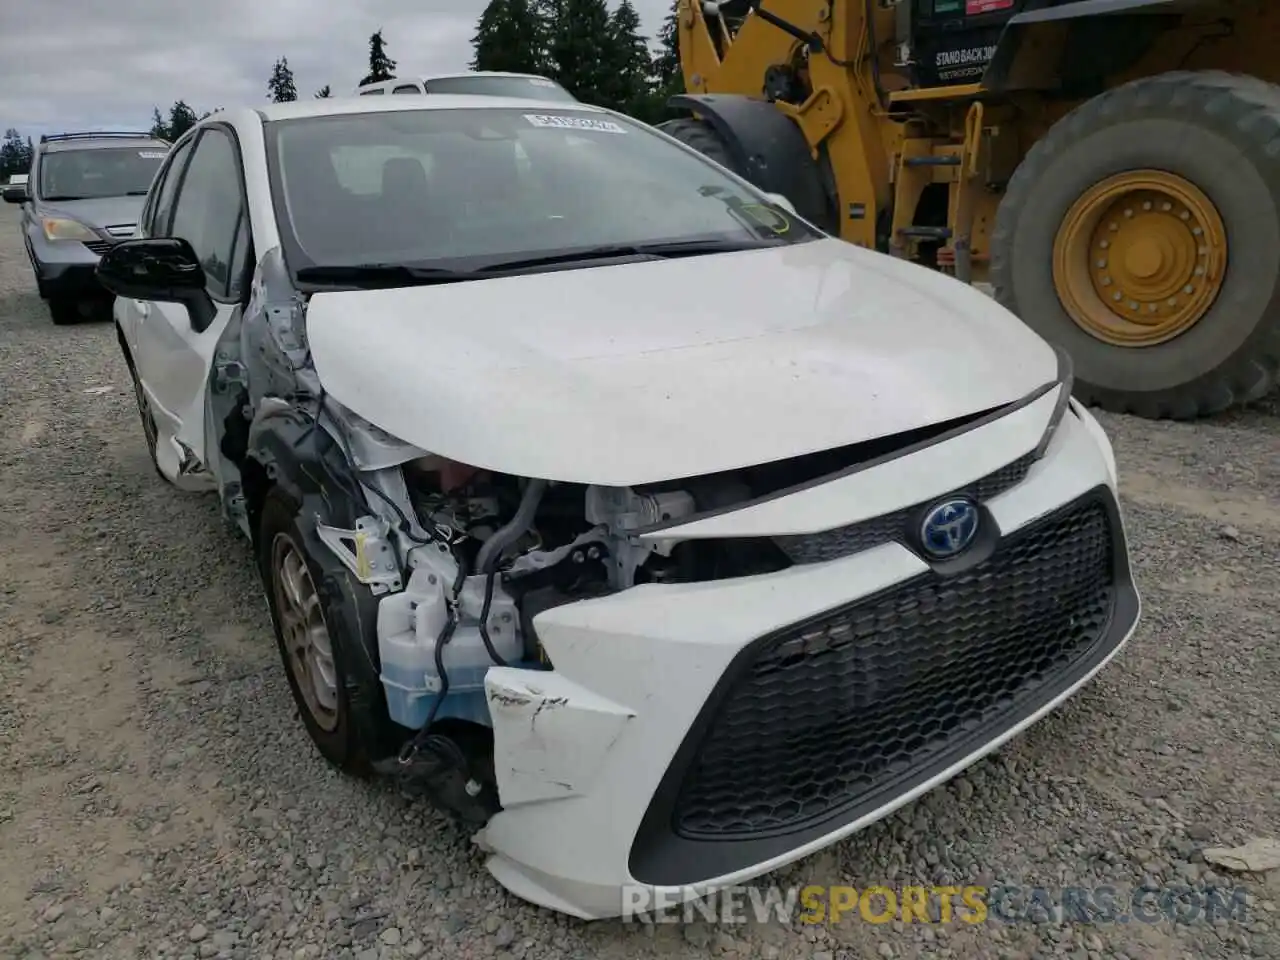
x: 66, y: 268
x: 696, y: 736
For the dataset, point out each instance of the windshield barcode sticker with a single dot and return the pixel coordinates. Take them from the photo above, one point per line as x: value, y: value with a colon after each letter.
x: 574, y: 123
x: 151, y: 155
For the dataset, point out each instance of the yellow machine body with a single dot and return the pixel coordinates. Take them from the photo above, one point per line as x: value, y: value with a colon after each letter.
x: 921, y: 171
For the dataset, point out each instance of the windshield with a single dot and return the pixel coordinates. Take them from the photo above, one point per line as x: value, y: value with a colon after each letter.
x: 471, y: 189
x: 527, y: 88
x: 104, y: 172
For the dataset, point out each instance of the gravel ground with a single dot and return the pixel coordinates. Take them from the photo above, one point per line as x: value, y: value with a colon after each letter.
x: 158, y: 796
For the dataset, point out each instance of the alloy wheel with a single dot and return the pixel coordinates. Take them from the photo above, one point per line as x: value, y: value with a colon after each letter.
x: 304, y: 632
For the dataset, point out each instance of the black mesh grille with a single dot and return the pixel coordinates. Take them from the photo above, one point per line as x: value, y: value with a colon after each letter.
x: 850, y: 705
x: 888, y: 527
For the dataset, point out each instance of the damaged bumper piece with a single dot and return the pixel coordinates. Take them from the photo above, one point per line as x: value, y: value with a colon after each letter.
x: 691, y: 736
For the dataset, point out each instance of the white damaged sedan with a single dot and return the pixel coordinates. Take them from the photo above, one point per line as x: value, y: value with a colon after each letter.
x: 638, y: 523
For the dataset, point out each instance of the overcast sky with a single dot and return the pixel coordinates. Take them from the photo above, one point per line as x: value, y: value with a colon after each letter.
x: 100, y: 64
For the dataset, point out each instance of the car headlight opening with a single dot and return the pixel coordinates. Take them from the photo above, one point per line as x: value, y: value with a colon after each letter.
x: 60, y: 228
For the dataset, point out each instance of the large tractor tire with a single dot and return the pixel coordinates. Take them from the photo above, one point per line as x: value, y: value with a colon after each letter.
x: 701, y: 137
x: 1142, y: 234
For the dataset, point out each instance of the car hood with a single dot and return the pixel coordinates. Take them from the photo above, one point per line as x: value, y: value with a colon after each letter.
x: 660, y: 370
x: 100, y: 212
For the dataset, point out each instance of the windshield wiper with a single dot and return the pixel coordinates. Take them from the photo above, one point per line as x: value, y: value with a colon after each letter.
x: 403, y: 275
x: 62, y: 198
x: 737, y: 208
x: 383, y: 275
x: 658, y: 249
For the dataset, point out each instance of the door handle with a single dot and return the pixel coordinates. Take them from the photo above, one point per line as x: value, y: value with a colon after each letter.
x: 144, y: 309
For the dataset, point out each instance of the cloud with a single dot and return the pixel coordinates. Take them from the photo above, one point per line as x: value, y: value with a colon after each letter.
x: 89, y: 64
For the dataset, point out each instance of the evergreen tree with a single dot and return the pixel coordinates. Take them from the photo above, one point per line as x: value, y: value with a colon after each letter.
x: 181, y: 119
x: 159, y: 126
x: 548, y: 14
x: 381, y: 67
x: 582, y: 50
x: 668, y: 77
x: 667, y: 63
x: 14, y: 157
x: 324, y: 93
x: 632, y: 65
x: 280, y: 86
x: 510, y: 36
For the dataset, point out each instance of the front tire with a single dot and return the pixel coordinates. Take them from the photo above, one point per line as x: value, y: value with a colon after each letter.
x: 64, y: 311
x: 318, y: 611
x: 1188, y: 146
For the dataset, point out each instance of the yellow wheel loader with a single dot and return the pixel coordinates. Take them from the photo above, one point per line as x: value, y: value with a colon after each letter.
x: 1110, y: 167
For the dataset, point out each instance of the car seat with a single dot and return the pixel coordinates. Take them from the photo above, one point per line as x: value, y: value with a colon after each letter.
x: 410, y: 216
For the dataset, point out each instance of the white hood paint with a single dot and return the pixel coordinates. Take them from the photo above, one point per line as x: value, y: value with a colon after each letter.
x: 630, y: 374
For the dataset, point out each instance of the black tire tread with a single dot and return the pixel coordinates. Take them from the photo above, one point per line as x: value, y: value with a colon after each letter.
x: 1254, y: 370
x: 63, y: 311
x: 701, y: 137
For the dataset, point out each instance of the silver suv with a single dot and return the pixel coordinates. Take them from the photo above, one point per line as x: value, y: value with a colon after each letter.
x: 84, y: 194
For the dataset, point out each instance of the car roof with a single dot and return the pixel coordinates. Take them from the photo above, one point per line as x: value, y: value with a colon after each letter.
x: 340, y: 106
x: 485, y: 73
x: 91, y: 141
x: 457, y: 76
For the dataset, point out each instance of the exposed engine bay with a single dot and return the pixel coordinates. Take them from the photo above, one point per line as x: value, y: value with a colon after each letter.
x: 466, y: 559
x: 461, y: 561
x: 578, y: 539
x: 508, y: 548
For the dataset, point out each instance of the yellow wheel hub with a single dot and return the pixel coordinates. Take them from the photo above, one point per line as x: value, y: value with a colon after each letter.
x: 1140, y: 258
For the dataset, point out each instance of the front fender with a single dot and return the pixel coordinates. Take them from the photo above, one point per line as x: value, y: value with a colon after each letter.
x: 1078, y: 42
x: 768, y: 147
x: 289, y: 449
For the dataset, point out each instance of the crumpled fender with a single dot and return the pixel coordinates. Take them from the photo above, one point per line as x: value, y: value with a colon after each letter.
x: 293, y: 451
x: 290, y: 450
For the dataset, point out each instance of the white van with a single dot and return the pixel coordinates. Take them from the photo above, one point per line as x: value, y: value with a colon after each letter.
x: 526, y: 86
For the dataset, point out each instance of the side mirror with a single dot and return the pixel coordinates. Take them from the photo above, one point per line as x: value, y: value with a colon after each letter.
x: 16, y: 194
x: 162, y: 269
x: 781, y: 201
